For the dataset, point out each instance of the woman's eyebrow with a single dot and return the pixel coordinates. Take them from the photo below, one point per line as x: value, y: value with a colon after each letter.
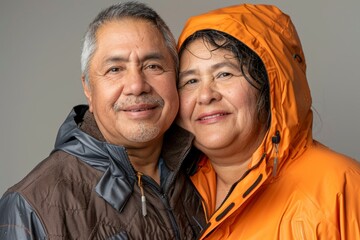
x: 187, y: 73
x: 224, y: 64
x: 212, y: 67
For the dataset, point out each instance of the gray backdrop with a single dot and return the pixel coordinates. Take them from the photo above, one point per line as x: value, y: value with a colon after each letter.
x: 40, y: 43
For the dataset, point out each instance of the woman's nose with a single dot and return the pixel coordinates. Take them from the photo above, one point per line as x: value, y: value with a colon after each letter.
x: 208, y: 94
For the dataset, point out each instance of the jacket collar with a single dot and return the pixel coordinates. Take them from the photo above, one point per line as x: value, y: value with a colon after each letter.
x: 80, y: 136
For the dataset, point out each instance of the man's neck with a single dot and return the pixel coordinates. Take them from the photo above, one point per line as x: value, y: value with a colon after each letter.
x: 145, y: 160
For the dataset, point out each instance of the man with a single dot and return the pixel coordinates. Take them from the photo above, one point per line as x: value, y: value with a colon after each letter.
x: 113, y: 174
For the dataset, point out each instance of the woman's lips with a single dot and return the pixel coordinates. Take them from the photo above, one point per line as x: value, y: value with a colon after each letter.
x: 206, y: 117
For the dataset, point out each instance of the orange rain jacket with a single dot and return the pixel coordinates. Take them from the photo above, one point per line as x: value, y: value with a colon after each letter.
x: 310, y: 192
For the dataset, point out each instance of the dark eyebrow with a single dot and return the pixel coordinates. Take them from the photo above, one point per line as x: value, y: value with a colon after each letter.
x: 113, y: 59
x: 186, y: 73
x: 153, y: 56
x: 213, y: 67
x: 224, y: 64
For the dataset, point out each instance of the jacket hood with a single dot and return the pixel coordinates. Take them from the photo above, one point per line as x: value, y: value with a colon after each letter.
x: 79, y: 136
x: 271, y: 34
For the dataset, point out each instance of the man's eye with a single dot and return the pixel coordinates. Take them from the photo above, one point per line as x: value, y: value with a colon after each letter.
x: 113, y: 70
x: 154, y: 68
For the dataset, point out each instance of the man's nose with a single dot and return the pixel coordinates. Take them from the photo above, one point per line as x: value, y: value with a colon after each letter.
x: 136, y: 83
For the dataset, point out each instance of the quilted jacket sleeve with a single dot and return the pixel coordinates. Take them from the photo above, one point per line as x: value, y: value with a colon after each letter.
x: 18, y: 220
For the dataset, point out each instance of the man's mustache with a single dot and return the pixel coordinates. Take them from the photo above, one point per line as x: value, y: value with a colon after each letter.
x: 141, y: 100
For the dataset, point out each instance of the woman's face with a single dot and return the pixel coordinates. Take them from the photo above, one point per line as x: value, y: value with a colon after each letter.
x: 217, y: 104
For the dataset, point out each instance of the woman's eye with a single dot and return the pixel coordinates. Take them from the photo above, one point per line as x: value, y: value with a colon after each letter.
x: 224, y: 75
x: 191, y: 81
x: 187, y: 83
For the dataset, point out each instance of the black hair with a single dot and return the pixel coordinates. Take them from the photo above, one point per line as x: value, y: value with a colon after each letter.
x: 251, y: 65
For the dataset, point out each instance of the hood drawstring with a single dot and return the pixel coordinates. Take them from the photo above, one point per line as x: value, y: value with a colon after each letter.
x: 143, y: 198
x: 275, y: 140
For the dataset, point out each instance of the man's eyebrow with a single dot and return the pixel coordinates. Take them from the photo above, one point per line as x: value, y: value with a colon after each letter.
x: 119, y: 58
x: 153, y: 56
x: 116, y: 58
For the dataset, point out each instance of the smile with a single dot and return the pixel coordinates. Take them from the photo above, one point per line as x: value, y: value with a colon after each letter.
x: 206, y: 117
x: 212, y: 116
x: 140, y: 109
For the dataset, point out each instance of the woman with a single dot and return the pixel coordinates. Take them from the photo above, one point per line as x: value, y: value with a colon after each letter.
x: 245, y: 97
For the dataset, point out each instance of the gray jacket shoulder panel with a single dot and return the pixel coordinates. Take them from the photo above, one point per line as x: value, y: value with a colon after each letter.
x: 18, y: 220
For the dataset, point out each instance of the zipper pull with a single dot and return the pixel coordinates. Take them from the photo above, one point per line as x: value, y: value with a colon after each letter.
x: 275, y: 166
x: 143, y: 198
x: 276, y: 140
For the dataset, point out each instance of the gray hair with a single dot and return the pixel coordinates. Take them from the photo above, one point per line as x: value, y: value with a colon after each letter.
x: 131, y: 9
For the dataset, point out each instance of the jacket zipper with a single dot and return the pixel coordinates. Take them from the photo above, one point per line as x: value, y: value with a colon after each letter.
x: 241, y: 178
x: 204, y: 207
x: 154, y: 186
x: 143, y: 198
x: 232, y: 188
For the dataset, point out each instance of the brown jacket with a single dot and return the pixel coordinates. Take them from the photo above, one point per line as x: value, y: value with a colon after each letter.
x: 87, y: 189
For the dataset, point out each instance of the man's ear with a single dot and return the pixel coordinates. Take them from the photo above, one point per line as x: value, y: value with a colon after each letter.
x: 87, y: 91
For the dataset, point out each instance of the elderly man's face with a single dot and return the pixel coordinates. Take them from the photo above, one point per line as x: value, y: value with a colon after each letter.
x: 132, y: 90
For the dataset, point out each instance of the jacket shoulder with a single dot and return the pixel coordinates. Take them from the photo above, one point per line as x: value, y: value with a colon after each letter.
x: 18, y: 220
x: 58, y: 190
x: 61, y: 180
x: 322, y: 157
x: 322, y: 171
